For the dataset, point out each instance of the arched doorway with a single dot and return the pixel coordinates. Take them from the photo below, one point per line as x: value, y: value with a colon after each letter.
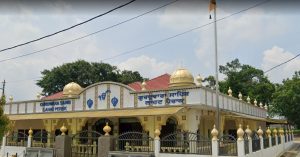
x: 169, y: 128
x: 129, y: 125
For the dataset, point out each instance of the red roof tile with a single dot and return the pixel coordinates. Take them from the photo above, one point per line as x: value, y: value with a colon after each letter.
x: 157, y: 83
x: 54, y: 96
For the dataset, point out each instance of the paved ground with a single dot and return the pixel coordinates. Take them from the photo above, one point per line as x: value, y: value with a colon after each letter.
x: 294, y: 151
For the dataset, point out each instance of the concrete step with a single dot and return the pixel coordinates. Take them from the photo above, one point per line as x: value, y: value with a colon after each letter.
x: 130, y: 154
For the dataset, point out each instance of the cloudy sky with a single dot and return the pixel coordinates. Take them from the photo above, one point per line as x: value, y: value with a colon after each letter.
x: 262, y: 37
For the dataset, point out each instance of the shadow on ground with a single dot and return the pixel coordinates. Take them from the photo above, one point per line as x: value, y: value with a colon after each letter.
x: 294, y: 151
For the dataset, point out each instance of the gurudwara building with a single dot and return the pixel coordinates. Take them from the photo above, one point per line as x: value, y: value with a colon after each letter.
x: 170, y: 103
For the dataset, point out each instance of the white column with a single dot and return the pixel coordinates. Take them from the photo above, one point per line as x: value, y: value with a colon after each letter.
x: 261, y: 143
x: 3, y: 145
x: 156, y: 142
x: 282, y: 141
x: 214, y: 148
x: 250, y: 145
x: 29, y: 141
x: 156, y: 146
x: 241, y: 148
x: 270, y: 141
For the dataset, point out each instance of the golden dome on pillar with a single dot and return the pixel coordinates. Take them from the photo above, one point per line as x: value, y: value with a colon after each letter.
x: 71, y: 89
x: 181, y: 78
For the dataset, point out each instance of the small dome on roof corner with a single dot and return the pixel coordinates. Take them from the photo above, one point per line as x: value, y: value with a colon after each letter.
x: 181, y: 78
x: 71, y: 89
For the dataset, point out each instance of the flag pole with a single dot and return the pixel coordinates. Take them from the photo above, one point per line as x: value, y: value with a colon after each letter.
x: 216, y: 70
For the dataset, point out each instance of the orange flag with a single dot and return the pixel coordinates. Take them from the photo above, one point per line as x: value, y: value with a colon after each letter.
x: 212, y: 6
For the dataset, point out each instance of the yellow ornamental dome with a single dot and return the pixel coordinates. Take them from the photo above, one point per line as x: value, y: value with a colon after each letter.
x: 181, y: 78
x: 71, y: 89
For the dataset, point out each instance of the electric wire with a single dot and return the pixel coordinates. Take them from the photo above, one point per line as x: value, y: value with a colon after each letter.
x: 66, y: 29
x: 85, y: 36
x: 171, y: 37
x: 182, y: 33
x: 276, y: 66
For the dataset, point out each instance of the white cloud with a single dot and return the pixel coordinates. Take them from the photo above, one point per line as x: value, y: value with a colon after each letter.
x: 19, y: 73
x: 248, y: 28
x: 275, y: 56
x: 147, y: 66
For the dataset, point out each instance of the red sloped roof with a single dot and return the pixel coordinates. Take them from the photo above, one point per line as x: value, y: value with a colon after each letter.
x: 54, y: 96
x: 157, y: 83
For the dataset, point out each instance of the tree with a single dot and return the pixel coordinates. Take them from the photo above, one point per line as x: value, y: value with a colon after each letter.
x: 286, y: 99
x: 245, y: 79
x: 4, y: 121
x: 211, y: 82
x: 85, y: 74
x: 248, y: 80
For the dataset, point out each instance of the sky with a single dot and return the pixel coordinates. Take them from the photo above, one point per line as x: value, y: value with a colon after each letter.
x: 263, y: 37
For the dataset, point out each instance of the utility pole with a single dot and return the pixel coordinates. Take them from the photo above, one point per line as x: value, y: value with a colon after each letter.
x: 3, y: 87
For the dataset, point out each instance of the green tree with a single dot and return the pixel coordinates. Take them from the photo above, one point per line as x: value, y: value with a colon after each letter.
x: 245, y: 79
x: 286, y: 99
x: 85, y: 74
x: 4, y: 121
x: 248, y: 80
x: 211, y: 82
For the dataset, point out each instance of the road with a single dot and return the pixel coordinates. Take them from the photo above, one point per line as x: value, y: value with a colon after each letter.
x: 294, y: 151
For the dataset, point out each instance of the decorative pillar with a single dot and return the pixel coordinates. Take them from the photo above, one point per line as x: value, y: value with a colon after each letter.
x: 63, y: 144
x: 275, y: 135
x: 156, y: 142
x: 269, y: 136
x: 290, y: 134
x: 281, y: 134
x: 260, y: 133
x: 106, y: 142
x: 240, y: 142
x: 214, y: 142
x: 29, y: 141
x: 249, y: 133
x: 3, y: 145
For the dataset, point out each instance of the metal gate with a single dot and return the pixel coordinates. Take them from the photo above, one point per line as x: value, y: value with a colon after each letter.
x: 227, y: 146
x: 17, y: 139
x: 42, y: 139
x: 85, y: 144
x: 255, y: 142
x: 185, y: 143
x: 135, y: 142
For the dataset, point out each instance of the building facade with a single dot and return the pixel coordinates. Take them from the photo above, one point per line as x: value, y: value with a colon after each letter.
x: 181, y: 104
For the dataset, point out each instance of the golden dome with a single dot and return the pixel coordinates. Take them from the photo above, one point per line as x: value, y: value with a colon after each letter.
x: 71, y: 89
x: 181, y: 78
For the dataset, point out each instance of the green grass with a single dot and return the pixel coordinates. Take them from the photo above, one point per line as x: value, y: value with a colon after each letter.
x: 296, y: 131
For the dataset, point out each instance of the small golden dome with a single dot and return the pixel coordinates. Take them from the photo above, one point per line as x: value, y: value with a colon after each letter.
x: 181, y: 78
x: 71, y: 89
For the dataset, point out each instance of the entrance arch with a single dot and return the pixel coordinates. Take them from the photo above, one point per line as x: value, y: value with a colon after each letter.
x: 169, y: 128
x: 129, y: 125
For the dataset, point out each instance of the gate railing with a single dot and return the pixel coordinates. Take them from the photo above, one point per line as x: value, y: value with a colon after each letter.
x: 255, y: 142
x: 17, y: 139
x: 185, y: 142
x: 227, y: 146
x: 273, y: 141
x: 135, y: 142
x: 85, y: 144
x: 246, y: 143
x: 42, y: 139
